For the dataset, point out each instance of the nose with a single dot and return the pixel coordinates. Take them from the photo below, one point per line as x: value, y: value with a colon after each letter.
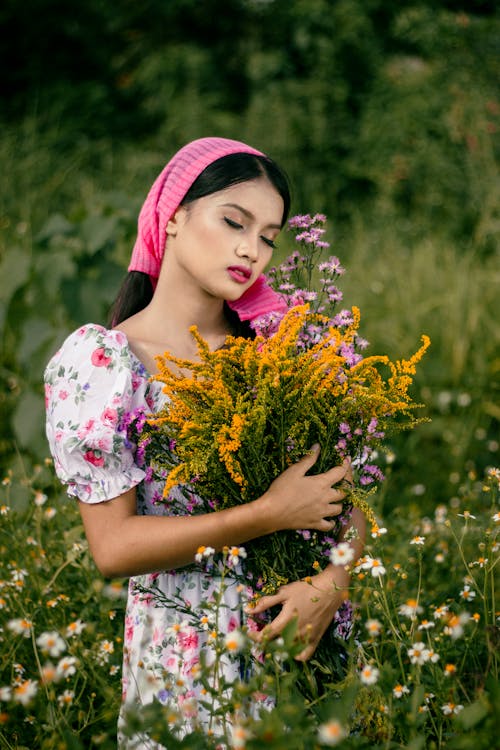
x: 248, y: 248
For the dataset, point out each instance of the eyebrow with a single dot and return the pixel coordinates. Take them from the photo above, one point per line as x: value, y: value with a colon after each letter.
x: 248, y: 214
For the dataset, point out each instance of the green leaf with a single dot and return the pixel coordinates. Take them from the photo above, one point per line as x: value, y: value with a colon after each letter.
x: 416, y: 744
x: 473, y: 714
x: 98, y: 231
x: 14, y: 272
x: 28, y: 416
x: 55, y: 225
x: 35, y: 333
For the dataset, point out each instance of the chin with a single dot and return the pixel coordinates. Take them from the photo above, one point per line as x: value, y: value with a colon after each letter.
x: 236, y: 294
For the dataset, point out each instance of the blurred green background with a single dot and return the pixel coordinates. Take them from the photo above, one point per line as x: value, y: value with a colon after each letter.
x: 384, y: 113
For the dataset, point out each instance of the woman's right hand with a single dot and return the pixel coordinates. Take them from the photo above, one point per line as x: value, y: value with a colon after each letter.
x: 298, y: 501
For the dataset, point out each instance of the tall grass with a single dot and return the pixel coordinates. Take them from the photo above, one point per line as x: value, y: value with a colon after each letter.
x: 423, y: 665
x: 68, y: 213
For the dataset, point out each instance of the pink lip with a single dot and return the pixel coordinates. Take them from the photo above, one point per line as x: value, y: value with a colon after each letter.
x: 240, y: 274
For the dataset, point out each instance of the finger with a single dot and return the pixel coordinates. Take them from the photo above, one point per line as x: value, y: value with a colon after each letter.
x: 275, y: 627
x: 349, y: 477
x: 309, y: 459
x: 264, y: 603
x: 336, y: 495
x: 334, y: 509
x: 324, y: 525
x: 336, y: 474
x: 306, y: 654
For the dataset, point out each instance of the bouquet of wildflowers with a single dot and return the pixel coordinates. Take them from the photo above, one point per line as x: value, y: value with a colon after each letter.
x: 249, y: 410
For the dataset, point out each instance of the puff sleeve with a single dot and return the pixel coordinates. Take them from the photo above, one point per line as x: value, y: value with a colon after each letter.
x: 91, y: 383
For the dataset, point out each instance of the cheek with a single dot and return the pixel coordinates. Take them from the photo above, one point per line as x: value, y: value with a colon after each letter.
x: 265, y: 258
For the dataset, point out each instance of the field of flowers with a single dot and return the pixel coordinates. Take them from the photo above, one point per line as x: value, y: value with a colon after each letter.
x: 423, y: 661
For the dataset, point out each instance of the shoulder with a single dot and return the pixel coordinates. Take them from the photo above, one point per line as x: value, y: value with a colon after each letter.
x: 92, y: 347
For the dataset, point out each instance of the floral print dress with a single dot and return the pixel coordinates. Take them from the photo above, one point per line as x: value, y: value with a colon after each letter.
x: 93, y: 383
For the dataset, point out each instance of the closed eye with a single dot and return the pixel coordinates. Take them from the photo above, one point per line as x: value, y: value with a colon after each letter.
x: 271, y: 243
x: 233, y: 224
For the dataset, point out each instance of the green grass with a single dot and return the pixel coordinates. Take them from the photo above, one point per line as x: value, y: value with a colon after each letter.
x: 67, y: 214
x: 61, y: 633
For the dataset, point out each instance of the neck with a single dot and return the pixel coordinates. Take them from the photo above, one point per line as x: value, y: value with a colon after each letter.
x: 184, y: 305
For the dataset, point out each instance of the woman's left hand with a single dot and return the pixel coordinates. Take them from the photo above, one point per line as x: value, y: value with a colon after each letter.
x: 312, y: 602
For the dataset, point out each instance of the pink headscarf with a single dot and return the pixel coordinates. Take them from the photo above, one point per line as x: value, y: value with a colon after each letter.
x: 164, y: 198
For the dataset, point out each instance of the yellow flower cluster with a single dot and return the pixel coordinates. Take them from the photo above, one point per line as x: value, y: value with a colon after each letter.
x: 247, y: 411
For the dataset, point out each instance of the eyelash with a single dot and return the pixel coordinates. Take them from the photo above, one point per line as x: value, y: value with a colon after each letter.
x: 235, y: 225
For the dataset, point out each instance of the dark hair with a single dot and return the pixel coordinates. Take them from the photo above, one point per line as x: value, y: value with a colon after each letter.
x: 235, y: 168
x: 137, y: 290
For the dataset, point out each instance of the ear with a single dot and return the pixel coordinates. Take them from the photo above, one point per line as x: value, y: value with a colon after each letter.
x: 176, y: 221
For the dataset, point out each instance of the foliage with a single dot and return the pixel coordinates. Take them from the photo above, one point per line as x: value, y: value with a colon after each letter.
x: 384, y: 114
x: 267, y: 394
x: 423, y: 668
x: 404, y: 287
x: 392, y: 106
x: 60, y: 624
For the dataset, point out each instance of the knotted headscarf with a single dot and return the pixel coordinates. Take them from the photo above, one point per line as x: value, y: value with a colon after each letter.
x: 166, y: 195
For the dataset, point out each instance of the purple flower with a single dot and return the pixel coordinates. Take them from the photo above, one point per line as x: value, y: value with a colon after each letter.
x: 300, y: 221
x: 267, y: 324
x: 361, y: 343
x: 343, y: 318
x: 371, y: 473
x: 349, y: 354
x: 332, y: 266
x: 304, y: 533
x: 334, y: 294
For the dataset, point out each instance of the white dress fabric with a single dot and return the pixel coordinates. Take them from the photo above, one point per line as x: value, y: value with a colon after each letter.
x: 93, y: 384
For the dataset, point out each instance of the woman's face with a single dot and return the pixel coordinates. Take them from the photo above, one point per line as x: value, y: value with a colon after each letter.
x: 221, y: 243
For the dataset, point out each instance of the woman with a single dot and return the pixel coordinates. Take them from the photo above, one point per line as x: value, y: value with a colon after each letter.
x: 205, y: 235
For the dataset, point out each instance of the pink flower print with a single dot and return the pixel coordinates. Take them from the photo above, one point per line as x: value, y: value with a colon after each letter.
x: 99, y: 358
x: 185, y: 666
x: 233, y: 624
x: 190, y: 666
x: 157, y: 636
x: 188, y: 704
x: 48, y: 393
x: 253, y: 626
x: 63, y: 395
x: 129, y: 629
x: 93, y: 458
x: 172, y: 664
x: 58, y: 436
x: 86, y: 429
x: 109, y: 416
x: 147, y: 600
x: 187, y: 639
x: 104, y: 444
x: 136, y: 381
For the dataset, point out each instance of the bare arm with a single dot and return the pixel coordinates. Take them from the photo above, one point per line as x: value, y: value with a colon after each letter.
x: 123, y: 543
